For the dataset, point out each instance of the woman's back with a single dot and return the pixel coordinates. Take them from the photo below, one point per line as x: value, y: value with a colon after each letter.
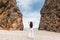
x: 31, y: 31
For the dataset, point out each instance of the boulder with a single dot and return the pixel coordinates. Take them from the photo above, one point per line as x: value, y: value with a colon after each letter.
x: 50, y: 16
x: 10, y: 15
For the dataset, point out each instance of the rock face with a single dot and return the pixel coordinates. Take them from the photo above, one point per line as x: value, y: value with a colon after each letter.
x: 10, y: 16
x: 50, y: 16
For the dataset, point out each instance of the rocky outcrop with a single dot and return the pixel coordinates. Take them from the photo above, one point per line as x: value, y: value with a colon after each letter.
x: 50, y: 16
x: 10, y: 15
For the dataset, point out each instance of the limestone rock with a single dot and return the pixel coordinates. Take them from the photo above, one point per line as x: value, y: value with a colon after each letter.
x: 10, y: 15
x: 50, y: 16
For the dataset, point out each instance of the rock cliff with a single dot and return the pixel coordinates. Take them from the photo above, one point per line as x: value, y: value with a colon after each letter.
x: 10, y: 15
x: 50, y: 16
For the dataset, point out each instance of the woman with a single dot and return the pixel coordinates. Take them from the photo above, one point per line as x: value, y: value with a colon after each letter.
x: 31, y: 32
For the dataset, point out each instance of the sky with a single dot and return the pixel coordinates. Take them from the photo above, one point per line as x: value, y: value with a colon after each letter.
x: 30, y: 10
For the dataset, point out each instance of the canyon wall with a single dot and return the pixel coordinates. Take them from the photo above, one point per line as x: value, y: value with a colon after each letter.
x: 50, y: 16
x: 10, y: 16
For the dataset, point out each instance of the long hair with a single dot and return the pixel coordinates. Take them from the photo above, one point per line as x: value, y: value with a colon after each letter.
x: 31, y: 24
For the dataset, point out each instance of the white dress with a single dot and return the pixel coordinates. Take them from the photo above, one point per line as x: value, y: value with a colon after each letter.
x: 31, y: 33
